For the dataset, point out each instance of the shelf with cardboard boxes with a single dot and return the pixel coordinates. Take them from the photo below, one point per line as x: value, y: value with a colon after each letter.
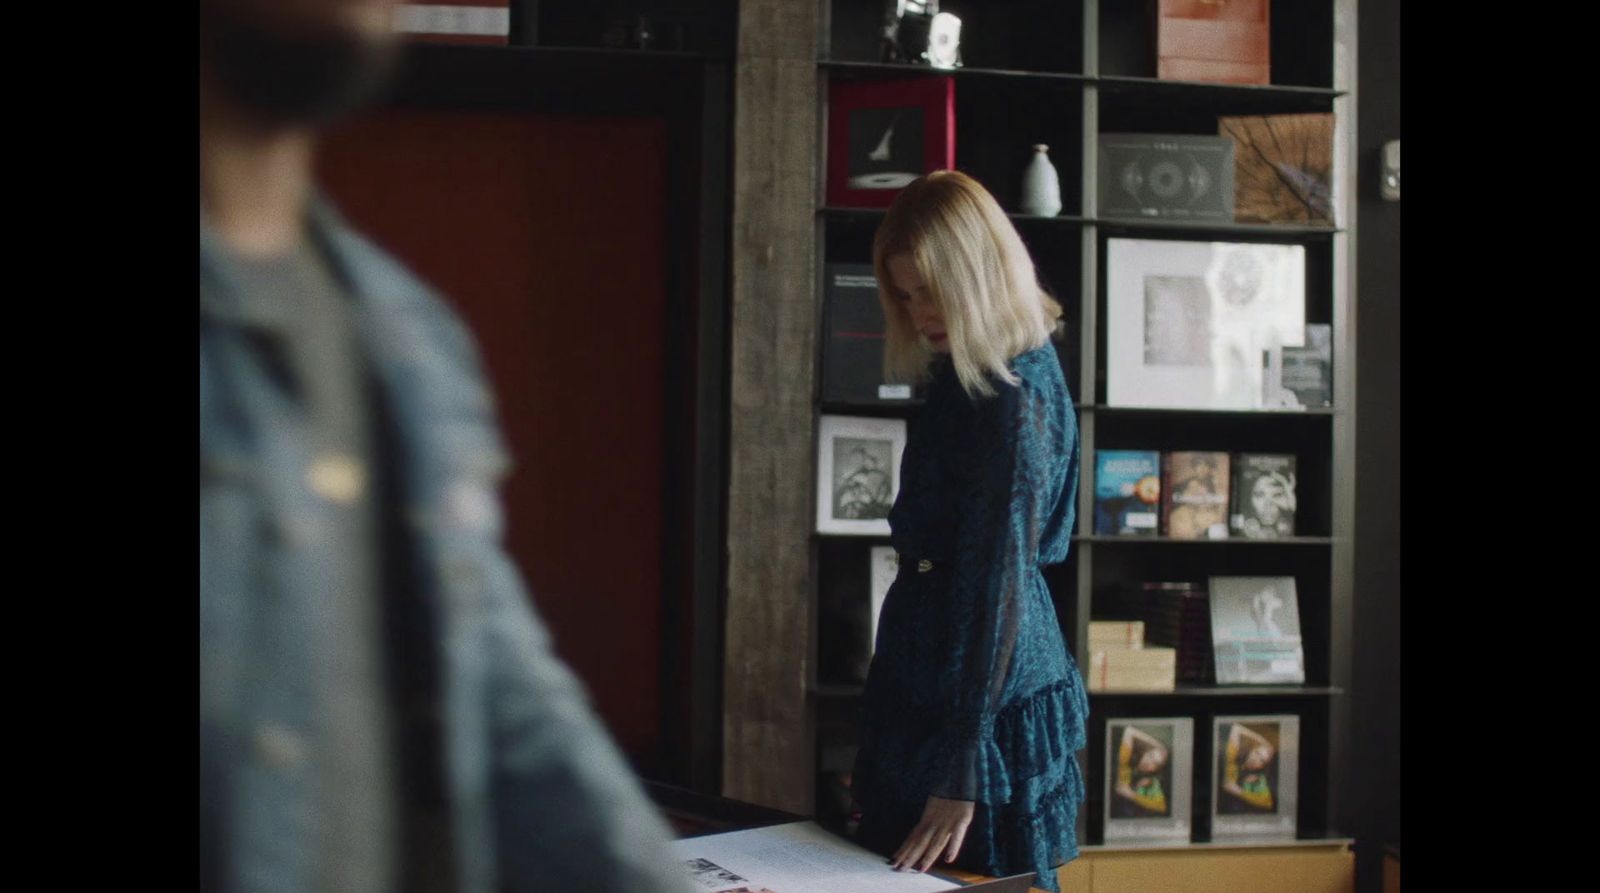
x: 1206, y: 280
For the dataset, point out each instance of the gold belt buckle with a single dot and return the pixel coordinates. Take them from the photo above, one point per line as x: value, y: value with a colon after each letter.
x: 924, y: 566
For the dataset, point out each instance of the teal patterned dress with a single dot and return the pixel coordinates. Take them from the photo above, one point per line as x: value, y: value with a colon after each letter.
x: 972, y: 694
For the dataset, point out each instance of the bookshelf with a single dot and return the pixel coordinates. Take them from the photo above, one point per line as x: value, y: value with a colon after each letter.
x: 1062, y: 73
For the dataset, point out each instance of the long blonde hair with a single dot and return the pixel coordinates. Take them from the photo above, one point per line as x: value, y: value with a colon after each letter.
x: 978, y: 274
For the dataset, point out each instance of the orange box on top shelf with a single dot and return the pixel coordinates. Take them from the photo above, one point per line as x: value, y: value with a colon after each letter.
x: 1225, y: 41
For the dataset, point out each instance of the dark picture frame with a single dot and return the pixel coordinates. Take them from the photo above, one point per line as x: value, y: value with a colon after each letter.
x: 884, y: 134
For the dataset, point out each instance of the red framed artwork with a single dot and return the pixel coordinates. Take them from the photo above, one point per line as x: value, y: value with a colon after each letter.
x: 884, y: 134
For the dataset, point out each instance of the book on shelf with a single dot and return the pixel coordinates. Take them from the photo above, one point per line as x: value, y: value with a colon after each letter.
x: 1127, y: 492
x: 850, y: 593
x: 1132, y: 669
x: 1255, y: 631
x: 1255, y: 777
x: 1194, y: 495
x: 844, y: 644
x: 1299, y: 377
x: 1307, y: 372
x: 852, y: 347
x: 1264, y: 497
x: 1149, y: 779
x: 885, y: 567
x: 455, y: 21
x: 1178, y: 616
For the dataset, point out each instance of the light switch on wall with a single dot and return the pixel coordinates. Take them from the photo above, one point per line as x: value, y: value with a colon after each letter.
x: 1391, y: 171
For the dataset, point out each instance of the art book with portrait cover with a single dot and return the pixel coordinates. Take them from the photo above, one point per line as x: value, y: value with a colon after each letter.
x: 1194, y: 495
x: 1307, y: 372
x: 1255, y: 777
x: 1255, y: 631
x: 1149, y: 775
x: 1264, y: 495
x: 1299, y: 377
x: 1127, y: 492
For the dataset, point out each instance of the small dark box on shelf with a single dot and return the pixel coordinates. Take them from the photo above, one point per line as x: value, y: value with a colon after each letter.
x: 1166, y: 176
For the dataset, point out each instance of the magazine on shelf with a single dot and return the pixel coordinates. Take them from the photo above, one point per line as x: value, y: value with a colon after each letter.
x: 1255, y: 775
x: 1255, y: 631
x: 1149, y: 776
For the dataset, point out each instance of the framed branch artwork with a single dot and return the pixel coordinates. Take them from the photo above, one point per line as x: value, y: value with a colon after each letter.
x: 1283, y: 168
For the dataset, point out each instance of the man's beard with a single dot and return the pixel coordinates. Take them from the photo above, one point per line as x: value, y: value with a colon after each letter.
x: 288, y: 77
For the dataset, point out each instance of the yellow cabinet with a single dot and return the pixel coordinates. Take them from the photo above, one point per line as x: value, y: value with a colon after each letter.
x: 1300, y: 868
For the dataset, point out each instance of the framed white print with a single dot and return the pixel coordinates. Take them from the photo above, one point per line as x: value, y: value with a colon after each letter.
x: 858, y: 473
x: 1189, y: 323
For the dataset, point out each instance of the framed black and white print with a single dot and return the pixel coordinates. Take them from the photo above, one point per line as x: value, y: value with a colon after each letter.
x: 884, y: 134
x: 1187, y: 323
x: 858, y: 473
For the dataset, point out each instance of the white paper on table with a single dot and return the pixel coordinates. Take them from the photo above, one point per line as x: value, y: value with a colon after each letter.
x: 799, y: 857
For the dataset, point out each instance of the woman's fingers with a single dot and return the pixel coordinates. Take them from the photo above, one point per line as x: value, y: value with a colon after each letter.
x: 914, y: 846
x: 957, y: 837
x: 906, y: 849
x: 941, y: 832
x: 936, y: 845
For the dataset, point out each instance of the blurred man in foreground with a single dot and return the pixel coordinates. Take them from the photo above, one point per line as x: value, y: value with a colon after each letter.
x: 380, y: 710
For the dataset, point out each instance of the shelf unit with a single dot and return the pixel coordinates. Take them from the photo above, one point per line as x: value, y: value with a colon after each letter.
x: 1018, y: 89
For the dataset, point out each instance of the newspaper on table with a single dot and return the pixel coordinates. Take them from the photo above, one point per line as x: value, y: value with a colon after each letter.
x: 799, y: 857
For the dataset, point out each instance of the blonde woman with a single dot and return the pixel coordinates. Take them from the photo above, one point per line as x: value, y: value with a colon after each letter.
x: 974, y: 710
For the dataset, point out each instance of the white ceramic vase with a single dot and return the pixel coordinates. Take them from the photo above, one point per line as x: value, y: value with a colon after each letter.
x: 1041, y: 186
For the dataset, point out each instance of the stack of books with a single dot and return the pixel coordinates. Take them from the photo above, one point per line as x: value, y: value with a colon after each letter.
x: 1178, y: 615
x: 1119, y: 660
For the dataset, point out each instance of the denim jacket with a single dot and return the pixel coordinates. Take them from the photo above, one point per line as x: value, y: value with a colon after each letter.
x: 540, y: 799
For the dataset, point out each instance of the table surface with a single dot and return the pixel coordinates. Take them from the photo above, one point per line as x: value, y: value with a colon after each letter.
x: 969, y: 877
x: 693, y: 814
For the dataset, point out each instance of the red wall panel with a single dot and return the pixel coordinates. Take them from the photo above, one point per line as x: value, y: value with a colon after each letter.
x: 546, y: 233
